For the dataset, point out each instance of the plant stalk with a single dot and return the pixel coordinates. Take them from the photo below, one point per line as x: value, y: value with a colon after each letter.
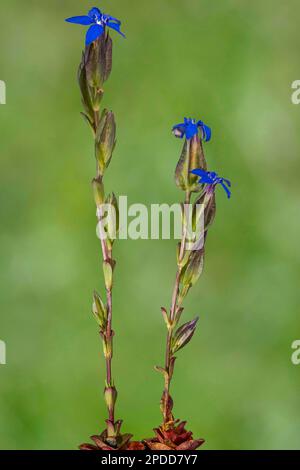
x: 169, y: 370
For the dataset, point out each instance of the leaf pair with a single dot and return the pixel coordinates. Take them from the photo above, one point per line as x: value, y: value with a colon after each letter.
x: 99, y: 311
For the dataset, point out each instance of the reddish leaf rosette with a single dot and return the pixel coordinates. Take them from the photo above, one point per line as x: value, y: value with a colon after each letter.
x: 173, y: 436
x: 119, y: 443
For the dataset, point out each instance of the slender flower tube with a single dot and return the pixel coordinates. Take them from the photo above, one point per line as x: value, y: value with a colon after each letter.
x: 94, y: 70
x: 190, y: 262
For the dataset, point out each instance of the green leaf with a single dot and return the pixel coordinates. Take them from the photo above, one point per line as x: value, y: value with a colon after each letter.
x: 99, y: 311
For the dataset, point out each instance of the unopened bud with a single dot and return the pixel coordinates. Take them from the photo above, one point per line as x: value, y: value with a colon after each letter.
x: 184, y: 335
x: 107, y: 345
x: 98, y: 189
x: 108, y: 274
x: 110, y: 396
x: 105, y: 140
x: 193, y: 269
x: 113, y: 202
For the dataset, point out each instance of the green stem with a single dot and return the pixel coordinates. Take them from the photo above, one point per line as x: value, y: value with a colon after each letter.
x: 107, y: 257
x: 169, y: 373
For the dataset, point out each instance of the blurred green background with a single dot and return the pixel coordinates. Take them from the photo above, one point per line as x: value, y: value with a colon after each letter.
x: 230, y: 63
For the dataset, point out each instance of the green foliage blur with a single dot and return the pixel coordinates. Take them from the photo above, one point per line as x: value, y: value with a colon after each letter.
x: 230, y: 63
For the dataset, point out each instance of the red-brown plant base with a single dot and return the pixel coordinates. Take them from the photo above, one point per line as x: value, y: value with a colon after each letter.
x: 173, y: 436
x: 118, y: 443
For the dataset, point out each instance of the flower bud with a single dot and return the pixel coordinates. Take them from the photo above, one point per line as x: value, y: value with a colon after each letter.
x: 193, y: 270
x: 105, y: 140
x: 98, y: 189
x: 110, y: 396
x: 107, y: 340
x: 99, y: 311
x: 113, y: 202
x: 184, y: 335
x: 108, y: 274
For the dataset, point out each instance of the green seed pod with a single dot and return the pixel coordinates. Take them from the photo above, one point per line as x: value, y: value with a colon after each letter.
x: 184, y: 335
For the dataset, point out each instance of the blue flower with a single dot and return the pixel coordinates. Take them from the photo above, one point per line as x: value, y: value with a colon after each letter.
x: 97, y: 22
x: 212, y: 179
x: 191, y: 127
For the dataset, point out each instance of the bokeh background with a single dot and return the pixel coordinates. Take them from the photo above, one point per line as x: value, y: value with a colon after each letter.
x: 230, y: 63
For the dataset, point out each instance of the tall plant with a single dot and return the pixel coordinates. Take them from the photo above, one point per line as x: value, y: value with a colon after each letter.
x: 94, y: 70
x: 198, y: 214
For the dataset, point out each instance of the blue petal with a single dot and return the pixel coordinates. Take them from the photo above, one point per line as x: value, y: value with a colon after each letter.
x: 206, y: 132
x: 116, y: 27
x: 191, y: 130
x: 226, y: 190
x: 84, y: 20
x: 206, y: 180
x: 94, y: 12
x: 111, y: 18
x: 227, y: 182
x: 199, y: 172
x: 93, y: 33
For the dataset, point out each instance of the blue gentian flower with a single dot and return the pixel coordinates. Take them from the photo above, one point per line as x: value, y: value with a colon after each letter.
x: 191, y: 127
x: 212, y: 179
x: 97, y: 22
